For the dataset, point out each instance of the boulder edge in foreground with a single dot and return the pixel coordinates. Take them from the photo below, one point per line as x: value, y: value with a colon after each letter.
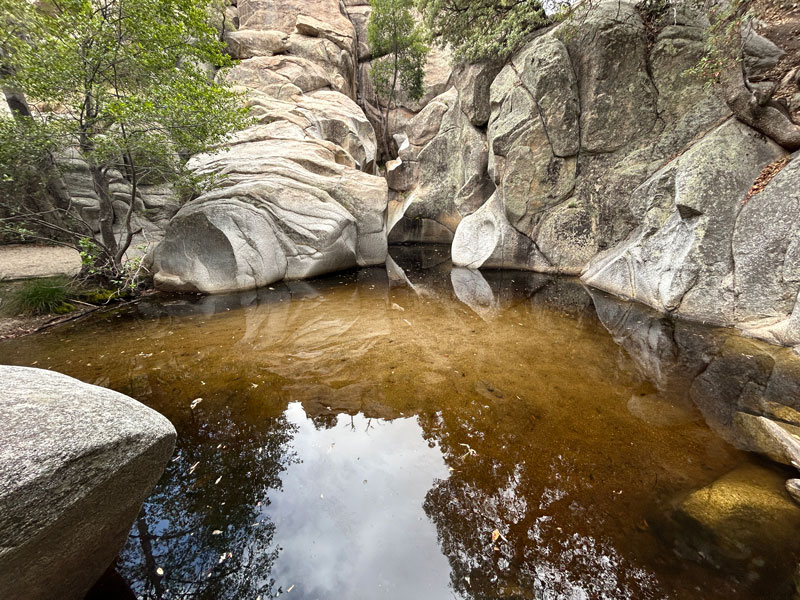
x: 76, y: 463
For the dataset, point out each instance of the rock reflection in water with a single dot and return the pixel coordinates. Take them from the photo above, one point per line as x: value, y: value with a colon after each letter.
x: 482, y: 400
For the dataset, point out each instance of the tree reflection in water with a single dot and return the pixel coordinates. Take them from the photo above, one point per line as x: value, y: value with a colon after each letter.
x: 504, y: 485
x: 204, y: 526
x: 584, y: 442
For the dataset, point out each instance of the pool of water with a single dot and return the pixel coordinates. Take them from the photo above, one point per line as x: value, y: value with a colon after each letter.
x: 426, y: 432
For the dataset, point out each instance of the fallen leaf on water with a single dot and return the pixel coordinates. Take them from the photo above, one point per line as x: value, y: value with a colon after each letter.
x: 195, y: 402
x: 470, y: 451
x: 496, y: 534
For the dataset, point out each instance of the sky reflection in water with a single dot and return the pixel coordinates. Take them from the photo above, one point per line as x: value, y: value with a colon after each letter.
x: 362, y: 435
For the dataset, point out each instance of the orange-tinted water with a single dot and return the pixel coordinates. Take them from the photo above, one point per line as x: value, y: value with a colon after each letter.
x: 363, y: 435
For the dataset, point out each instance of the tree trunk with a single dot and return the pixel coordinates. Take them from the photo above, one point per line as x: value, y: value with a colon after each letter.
x: 764, y: 118
x: 392, y: 92
x: 754, y: 106
x: 125, y: 241
x: 149, y: 558
x: 106, y: 211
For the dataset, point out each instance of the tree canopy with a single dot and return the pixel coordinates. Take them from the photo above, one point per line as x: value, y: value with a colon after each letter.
x: 399, y: 43
x: 480, y: 29
x: 129, y: 83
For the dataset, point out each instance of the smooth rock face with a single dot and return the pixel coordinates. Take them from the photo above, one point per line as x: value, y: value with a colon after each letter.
x: 679, y: 258
x: 76, y: 463
x: 617, y: 97
x: 443, y: 172
x: 294, y: 198
x: 743, y: 516
x: 616, y: 166
x: 474, y: 82
x: 588, y: 153
x: 286, y: 210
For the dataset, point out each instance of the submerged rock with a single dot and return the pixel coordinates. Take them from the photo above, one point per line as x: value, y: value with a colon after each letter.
x: 793, y: 487
x: 76, y: 463
x: 745, y: 515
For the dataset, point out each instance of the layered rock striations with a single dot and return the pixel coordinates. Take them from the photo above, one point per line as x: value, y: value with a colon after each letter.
x: 294, y: 197
x: 590, y: 152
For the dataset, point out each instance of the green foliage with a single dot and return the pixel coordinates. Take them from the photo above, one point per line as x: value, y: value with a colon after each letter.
x: 25, y: 148
x: 129, y: 82
x: 398, y: 41
x: 40, y: 297
x: 723, y: 40
x: 89, y: 252
x: 130, y: 75
x: 483, y: 29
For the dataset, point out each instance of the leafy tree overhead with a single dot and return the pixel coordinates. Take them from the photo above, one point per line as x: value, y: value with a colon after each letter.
x: 129, y: 83
x: 482, y: 29
x: 399, y: 42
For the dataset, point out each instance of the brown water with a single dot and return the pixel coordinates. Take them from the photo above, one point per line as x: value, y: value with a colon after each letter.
x: 363, y: 435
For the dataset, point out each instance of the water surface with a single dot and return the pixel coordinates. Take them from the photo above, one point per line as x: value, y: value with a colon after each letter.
x: 363, y: 435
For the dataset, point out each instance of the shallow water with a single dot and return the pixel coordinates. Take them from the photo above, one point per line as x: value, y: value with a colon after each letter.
x: 362, y: 436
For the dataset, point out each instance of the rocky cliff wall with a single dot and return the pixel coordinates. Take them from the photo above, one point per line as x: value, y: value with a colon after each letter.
x: 604, y: 160
x: 295, y: 196
x: 589, y: 153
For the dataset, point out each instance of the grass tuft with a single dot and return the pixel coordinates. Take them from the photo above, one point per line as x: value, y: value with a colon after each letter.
x: 39, y: 297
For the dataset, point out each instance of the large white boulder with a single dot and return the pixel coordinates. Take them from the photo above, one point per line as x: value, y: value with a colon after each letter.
x: 76, y: 463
